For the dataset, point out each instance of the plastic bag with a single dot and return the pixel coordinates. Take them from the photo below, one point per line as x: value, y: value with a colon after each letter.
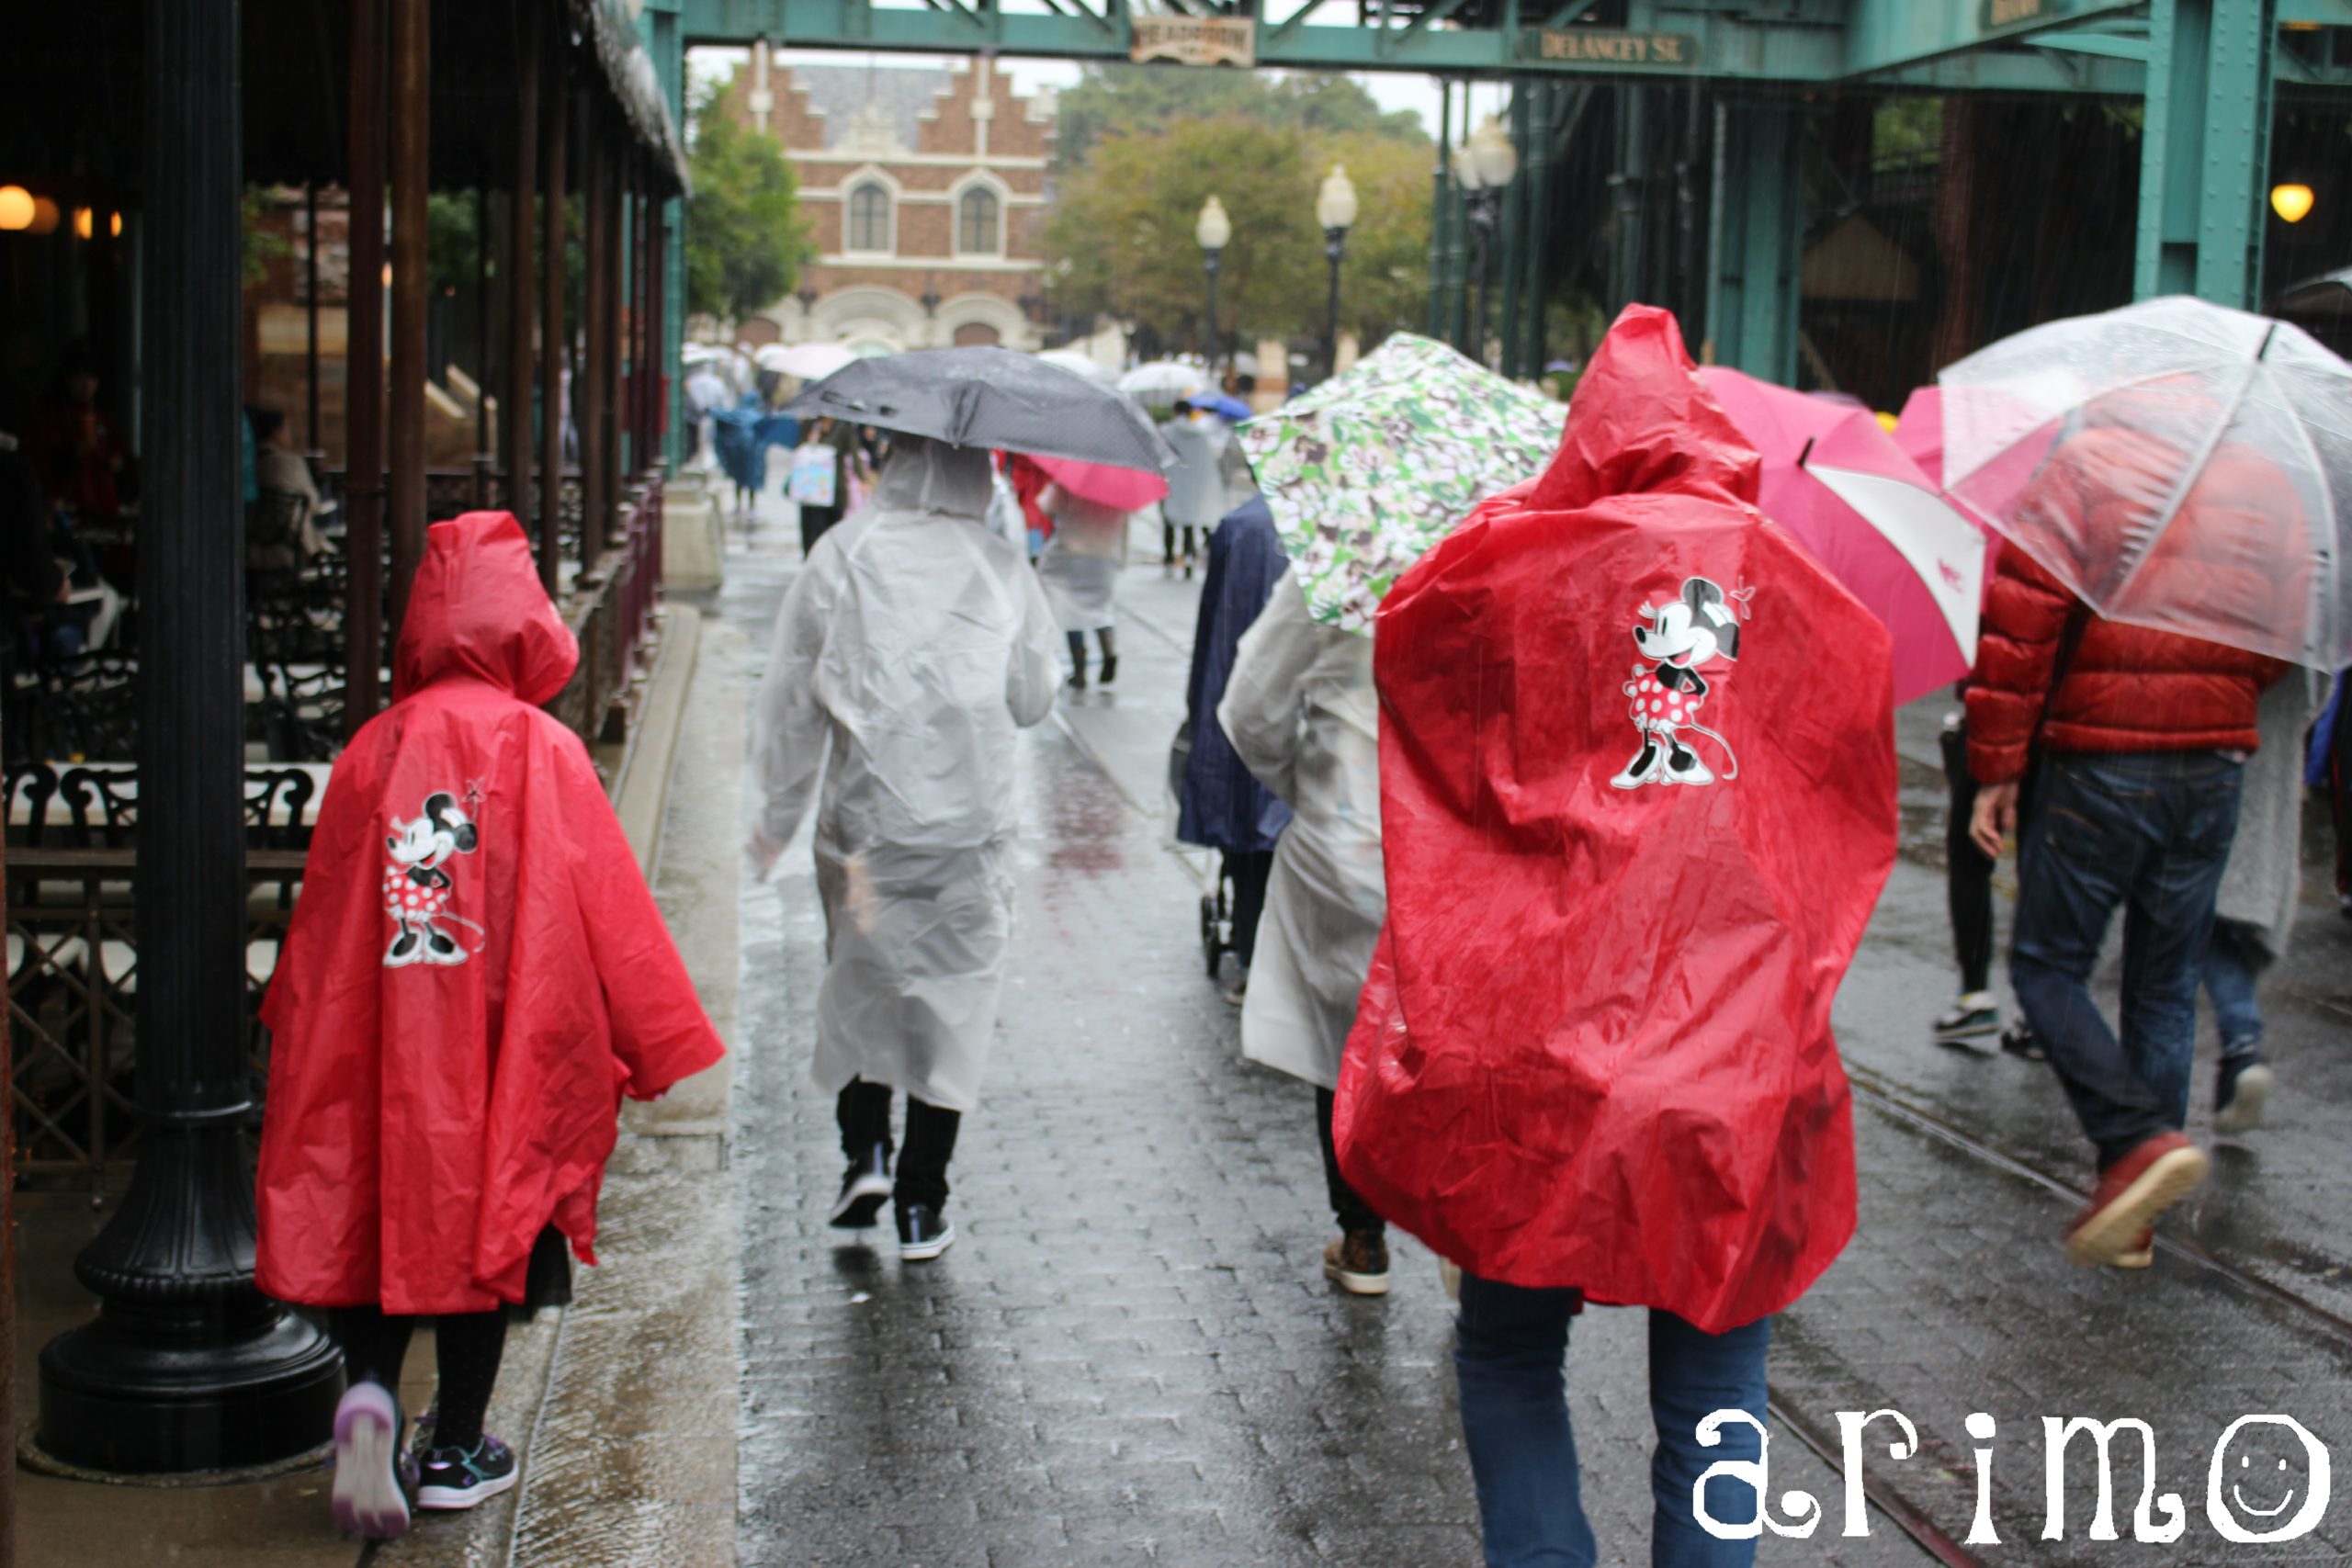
x: 816, y: 475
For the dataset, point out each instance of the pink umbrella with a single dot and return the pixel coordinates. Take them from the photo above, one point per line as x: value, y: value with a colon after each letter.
x: 1919, y: 431
x: 1836, y: 480
x: 1126, y: 488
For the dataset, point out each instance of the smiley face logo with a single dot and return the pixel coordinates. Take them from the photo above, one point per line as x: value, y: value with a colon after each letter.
x: 2252, y: 1486
x: 2237, y: 1499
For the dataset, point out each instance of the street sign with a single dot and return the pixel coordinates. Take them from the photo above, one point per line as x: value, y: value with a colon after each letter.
x: 1601, y: 48
x: 1194, y: 42
x: 2009, y: 13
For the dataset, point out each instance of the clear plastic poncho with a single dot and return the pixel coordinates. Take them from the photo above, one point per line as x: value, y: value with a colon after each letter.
x: 912, y: 647
x: 1304, y: 717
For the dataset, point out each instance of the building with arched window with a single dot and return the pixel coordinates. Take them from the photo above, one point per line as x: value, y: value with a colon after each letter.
x: 925, y: 191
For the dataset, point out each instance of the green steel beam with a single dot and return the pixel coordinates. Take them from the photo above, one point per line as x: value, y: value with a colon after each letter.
x: 1886, y: 34
x: 1756, y: 245
x: 2205, y: 152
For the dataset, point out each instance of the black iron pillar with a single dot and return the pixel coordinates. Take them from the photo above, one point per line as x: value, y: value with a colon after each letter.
x: 1485, y: 212
x: 1212, y: 254
x: 187, y: 1367
x: 1335, y: 251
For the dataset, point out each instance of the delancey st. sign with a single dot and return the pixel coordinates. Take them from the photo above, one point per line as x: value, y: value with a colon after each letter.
x: 1598, y: 49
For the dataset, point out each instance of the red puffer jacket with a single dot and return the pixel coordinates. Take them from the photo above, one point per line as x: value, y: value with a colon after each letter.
x: 2126, y: 688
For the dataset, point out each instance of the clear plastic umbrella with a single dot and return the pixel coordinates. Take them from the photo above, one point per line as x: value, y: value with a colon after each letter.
x: 1163, y: 382
x: 2178, y: 465
x: 1079, y: 363
x: 810, y: 361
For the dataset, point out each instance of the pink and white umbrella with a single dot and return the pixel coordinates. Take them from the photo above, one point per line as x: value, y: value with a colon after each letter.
x: 1836, y: 478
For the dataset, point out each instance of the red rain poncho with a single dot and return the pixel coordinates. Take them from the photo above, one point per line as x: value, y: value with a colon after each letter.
x: 475, y: 973
x: 1638, y: 798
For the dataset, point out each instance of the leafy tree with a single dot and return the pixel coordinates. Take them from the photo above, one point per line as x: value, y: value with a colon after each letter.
x: 1121, y: 238
x: 1109, y: 99
x: 746, y: 239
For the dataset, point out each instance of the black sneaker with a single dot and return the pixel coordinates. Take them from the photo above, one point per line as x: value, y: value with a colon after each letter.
x: 450, y: 1478
x: 923, y: 1233
x: 1109, y: 670
x: 2018, y: 1040
x: 865, y: 1186
x: 2240, y: 1092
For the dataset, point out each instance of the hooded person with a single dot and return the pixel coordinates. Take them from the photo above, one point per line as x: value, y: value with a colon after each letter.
x: 1078, y: 569
x: 1299, y: 712
x: 474, y: 975
x: 1195, y: 498
x: 912, y: 647
x: 1220, y: 805
x: 1593, y: 1060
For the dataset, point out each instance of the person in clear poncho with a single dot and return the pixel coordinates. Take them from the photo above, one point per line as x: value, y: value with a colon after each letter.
x: 1080, y: 572
x: 912, y: 647
x: 1304, y: 717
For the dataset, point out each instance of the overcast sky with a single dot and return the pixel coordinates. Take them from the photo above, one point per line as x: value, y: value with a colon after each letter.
x: 1394, y: 91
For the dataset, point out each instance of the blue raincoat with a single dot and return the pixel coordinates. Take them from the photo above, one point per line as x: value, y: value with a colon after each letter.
x: 1221, y: 806
x: 742, y: 436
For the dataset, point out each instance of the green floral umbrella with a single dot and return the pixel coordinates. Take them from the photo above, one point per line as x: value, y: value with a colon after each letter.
x: 1371, y: 468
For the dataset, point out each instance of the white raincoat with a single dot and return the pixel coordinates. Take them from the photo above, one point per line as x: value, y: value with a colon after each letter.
x: 1301, y: 712
x: 912, y: 647
x: 1080, y: 568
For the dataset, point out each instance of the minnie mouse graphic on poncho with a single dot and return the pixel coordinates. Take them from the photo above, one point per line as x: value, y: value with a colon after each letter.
x: 416, y: 890
x: 1666, y: 692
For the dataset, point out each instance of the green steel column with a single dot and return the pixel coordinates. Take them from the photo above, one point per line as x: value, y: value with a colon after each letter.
x: 1514, y: 241
x: 670, y: 61
x: 1440, y: 212
x: 1628, y: 280
x: 1756, y: 245
x: 1537, y: 175
x: 2205, y: 154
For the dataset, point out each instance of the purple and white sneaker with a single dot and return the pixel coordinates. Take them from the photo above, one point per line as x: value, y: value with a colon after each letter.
x: 369, y: 1501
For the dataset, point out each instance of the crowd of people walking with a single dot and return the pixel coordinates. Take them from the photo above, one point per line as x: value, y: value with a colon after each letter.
x: 1511, y: 965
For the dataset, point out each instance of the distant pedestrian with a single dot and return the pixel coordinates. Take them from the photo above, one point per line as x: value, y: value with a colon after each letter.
x: 1974, y: 1014
x: 910, y: 651
x: 1079, y: 568
x: 1220, y: 805
x: 2253, y: 909
x: 1300, y: 712
x: 1195, y: 485
x: 2141, y: 737
x: 474, y: 975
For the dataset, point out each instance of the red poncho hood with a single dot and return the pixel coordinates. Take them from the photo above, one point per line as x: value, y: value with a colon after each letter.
x: 473, y: 977
x: 1637, y: 800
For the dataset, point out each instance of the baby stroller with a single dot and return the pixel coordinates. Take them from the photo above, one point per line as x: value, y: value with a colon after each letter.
x: 1216, y: 904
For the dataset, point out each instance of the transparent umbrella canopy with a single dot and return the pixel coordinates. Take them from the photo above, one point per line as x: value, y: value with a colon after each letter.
x: 2177, y: 463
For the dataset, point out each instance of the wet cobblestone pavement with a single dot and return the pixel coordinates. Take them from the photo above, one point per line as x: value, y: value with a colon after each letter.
x: 1130, y: 1354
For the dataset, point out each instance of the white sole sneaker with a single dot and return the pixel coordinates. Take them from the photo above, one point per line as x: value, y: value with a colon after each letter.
x: 367, y: 1499
x: 2114, y: 1232
x: 455, y: 1498
x: 2253, y: 1092
x: 924, y: 1251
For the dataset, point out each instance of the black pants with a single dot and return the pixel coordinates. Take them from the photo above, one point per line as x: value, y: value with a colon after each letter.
x: 2339, y: 795
x: 1968, y: 875
x: 1248, y: 870
x: 468, y: 1344
x: 864, y: 1111
x: 814, y: 521
x: 1352, y: 1213
x: 1168, y: 542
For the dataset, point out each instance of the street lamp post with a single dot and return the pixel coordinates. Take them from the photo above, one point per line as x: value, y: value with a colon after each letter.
x: 1335, y: 209
x: 1483, y: 165
x: 1214, y: 232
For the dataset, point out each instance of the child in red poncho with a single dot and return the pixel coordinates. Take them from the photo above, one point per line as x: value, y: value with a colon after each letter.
x: 474, y: 976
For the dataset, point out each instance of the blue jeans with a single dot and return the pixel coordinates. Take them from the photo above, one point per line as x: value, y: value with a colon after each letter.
x: 2233, y: 959
x: 1511, y: 1348
x: 2150, y: 832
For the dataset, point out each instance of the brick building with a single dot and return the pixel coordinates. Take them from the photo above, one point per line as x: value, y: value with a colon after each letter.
x: 926, y: 192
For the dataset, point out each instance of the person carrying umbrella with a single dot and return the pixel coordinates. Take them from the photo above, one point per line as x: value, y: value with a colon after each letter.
x: 1361, y: 478
x: 908, y: 652
x: 2155, y: 494
x: 1078, y: 569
